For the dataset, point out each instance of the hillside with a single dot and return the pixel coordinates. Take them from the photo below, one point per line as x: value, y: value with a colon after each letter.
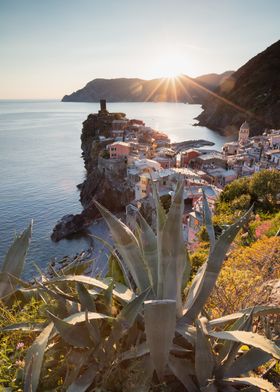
x: 181, y: 89
x: 251, y: 93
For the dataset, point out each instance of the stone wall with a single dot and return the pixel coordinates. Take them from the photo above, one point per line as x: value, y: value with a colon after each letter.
x: 112, y: 167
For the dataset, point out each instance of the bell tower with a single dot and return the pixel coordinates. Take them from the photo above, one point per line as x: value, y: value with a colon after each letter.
x: 244, y: 133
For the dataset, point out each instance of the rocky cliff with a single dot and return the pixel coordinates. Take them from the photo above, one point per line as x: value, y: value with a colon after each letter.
x: 181, y: 89
x: 110, y: 189
x: 251, y: 93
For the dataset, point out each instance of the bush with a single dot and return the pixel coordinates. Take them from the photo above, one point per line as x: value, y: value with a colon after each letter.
x: 246, y: 269
x: 13, y: 345
x: 265, y: 187
x: 235, y: 189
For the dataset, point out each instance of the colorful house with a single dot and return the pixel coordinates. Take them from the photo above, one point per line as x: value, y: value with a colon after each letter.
x: 119, y: 150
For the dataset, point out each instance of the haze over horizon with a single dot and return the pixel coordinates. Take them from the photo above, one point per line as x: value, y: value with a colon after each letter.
x: 52, y: 48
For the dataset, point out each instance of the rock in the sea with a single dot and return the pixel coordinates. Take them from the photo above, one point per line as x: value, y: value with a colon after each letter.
x: 68, y: 225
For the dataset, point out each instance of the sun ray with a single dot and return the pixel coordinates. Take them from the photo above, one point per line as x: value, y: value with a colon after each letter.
x: 178, y: 80
x: 154, y: 90
x: 224, y: 100
x: 174, y: 89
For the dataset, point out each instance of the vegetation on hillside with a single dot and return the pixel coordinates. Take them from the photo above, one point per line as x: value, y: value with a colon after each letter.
x: 150, y: 326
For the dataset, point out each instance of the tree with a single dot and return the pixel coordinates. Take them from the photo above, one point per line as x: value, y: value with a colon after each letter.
x: 235, y: 189
x: 265, y: 187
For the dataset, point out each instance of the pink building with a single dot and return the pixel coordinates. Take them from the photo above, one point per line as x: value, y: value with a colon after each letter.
x: 183, y: 159
x: 119, y: 150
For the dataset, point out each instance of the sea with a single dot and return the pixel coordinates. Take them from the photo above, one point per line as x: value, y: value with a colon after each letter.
x: 41, y: 165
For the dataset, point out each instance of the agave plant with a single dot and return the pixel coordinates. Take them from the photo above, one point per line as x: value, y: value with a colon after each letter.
x: 97, y: 329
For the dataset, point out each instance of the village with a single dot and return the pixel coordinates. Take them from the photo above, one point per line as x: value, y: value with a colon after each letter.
x: 143, y: 155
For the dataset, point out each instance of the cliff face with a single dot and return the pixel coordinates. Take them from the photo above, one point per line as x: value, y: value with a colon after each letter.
x: 109, y: 189
x: 97, y: 184
x: 182, y: 89
x: 251, y: 93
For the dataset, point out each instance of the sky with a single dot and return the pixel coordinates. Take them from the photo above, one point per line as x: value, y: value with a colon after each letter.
x: 49, y: 48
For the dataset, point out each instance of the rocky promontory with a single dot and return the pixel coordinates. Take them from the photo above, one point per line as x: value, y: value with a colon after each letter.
x: 106, y: 179
x: 107, y: 187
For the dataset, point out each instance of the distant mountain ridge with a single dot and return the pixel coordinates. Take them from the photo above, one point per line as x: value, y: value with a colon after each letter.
x: 181, y: 89
x: 251, y: 93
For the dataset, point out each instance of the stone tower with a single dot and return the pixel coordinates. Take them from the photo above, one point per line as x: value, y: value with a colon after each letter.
x: 103, y: 108
x: 244, y: 133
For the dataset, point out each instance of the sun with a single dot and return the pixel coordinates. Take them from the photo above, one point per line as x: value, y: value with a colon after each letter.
x: 170, y: 65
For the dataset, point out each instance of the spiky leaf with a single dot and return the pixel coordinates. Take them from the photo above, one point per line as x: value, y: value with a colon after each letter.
x: 120, y: 291
x: 85, y: 298
x: 84, y: 381
x: 204, y: 358
x: 174, y: 258
x: 34, y: 359
x: 148, y: 242
x: 248, y: 361
x: 252, y: 381
x: 208, y: 222
x: 183, y: 369
x: 212, y: 270
x: 128, y: 247
x: 160, y: 321
x: 260, y: 310
x: 75, y: 335
x: 14, y: 260
x: 251, y: 339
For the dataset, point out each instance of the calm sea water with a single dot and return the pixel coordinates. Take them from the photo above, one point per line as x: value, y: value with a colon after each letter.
x: 40, y: 164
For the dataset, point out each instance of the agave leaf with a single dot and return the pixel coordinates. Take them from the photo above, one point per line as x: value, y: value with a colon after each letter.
x: 161, y: 214
x: 204, y: 358
x: 250, y: 360
x: 34, y: 327
x: 34, y: 359
x: 174, y: 258
x: 119, y: 260
x: 213, y: 267
x: 80, y: 317
x: 84, y: 381
x: 183, y: 369
x: 143, y: 349
x: 250, y: 339
x: 125, y: 320
x: 108, y: 296
x: 230, y: 349
x: 128, y: 314
x: 120, y: 291
x: 135, y: 352
x: 196, y: 285
x: 148, y: 241
x: 208, y: 222
x: 188, y: 332
x: 260, y: 310
x: 93, y: 329
x: 161, y: 218
x: 14, y: 260
x: 85, y: 298
x: 23, y: 294
x: 75, y: 268
x: 75, y: 335
x: 128, y: 247
x: 160, y: 321
x: 252, y: 381
x: 14, y: 280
